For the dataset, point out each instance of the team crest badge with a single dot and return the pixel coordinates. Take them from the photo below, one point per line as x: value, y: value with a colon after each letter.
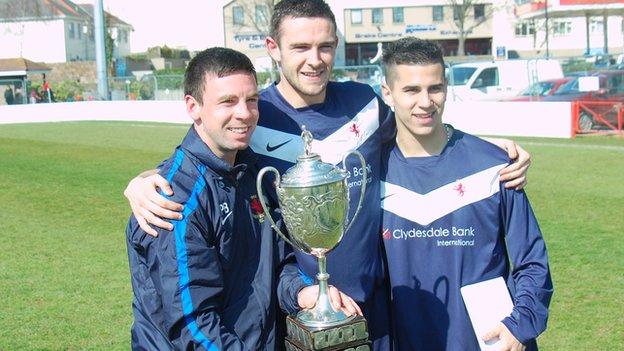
x: 256, y: 208
x: 460, y: 188
x: 355, y: 129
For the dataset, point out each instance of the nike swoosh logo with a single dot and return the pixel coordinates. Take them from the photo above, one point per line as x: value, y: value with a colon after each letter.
x: 226, y: 217
x: 387, y: 196
x: 270, y: 148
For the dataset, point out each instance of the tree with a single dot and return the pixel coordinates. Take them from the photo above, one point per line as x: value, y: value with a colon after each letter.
x: 467, y: 15
x: 109, y: 47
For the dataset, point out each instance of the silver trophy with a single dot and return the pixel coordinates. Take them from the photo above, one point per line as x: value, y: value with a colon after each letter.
x: 314, y: 200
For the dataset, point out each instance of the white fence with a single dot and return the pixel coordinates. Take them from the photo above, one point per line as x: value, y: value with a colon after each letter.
x: 539, y: 119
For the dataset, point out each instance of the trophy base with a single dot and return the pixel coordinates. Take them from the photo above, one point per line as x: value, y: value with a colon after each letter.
x: 350, y: 335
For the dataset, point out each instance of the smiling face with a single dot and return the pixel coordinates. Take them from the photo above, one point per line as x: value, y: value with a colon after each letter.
x: 305, y: 51
x: 417, y: 92
x: 228, y: 114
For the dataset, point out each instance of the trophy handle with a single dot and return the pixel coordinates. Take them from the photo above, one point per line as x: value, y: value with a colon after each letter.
x: 362, y: 187
x: 264, y: 206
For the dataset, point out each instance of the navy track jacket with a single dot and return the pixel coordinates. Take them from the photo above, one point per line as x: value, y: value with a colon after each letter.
x: 211, y: 283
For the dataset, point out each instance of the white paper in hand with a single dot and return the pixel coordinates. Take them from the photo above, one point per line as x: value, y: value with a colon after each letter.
x: 488, y: 303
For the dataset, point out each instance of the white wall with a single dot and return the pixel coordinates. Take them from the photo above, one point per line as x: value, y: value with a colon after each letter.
x: 37, y: 41
x: 154, y: 111
x: 538, y: 119
x: 542, y: 119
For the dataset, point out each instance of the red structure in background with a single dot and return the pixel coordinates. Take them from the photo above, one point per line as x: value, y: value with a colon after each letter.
x: 602, y: 116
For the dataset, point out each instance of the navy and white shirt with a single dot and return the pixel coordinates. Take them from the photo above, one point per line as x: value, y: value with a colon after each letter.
x: 352, y: 117
x: 448, y: 222
x: 211, y: 283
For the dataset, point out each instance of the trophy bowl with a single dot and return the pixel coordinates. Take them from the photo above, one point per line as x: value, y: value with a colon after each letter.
x: 314, y: 200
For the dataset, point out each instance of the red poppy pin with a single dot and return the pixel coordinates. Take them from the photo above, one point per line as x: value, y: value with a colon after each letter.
x: 256, y: 208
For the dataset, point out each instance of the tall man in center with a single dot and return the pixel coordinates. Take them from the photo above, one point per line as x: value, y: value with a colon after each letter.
x: 342, y: 117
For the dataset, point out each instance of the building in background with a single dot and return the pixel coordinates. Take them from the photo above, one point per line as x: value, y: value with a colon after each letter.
x: 246, y: 24
x: 56, y: 31
x: 492, y: 28
x: 362, y: 25
x: 559, y: 28
x: 364, y: 28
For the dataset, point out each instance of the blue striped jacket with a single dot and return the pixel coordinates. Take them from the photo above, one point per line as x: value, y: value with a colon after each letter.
x: 212, y: 283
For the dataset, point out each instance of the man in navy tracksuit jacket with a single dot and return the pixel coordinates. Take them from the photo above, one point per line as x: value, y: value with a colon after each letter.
x: 213, y: 282
x: 447, y: 221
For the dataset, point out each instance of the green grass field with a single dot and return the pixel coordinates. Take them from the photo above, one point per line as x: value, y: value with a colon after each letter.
x: 64, y: 282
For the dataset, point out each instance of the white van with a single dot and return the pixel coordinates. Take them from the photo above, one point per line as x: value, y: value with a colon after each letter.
x: 495, y: 80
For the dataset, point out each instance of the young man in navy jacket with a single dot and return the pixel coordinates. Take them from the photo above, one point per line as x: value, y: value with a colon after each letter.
x: 447, y: 221
x: 213, y: 282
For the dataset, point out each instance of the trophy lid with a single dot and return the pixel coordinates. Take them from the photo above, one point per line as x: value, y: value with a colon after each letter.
x: 310, y: 170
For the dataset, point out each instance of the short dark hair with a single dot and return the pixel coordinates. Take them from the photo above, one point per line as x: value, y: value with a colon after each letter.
x: 411, y: 51
x: 298, y: 9
x: 218, y: 61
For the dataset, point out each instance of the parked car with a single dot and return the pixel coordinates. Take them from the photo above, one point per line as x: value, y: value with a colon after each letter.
x: 537, y: 91
x: 606, y: 100
x: 495, y: 80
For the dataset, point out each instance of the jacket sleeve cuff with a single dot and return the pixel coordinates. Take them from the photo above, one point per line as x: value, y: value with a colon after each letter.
x: 291, y: 282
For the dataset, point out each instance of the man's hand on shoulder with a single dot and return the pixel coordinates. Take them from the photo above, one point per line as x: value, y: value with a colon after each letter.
x: 514, y: 175
x: 150, y: 207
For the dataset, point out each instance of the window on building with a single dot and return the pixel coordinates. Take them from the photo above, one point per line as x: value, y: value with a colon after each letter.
x: 596, y: 26
x: 72, y: 30
x: 262, y: 15
x: 238, y: 15
x: 377, y: 16
x: 397, y: 15
x: 479, y: 11
x: 524, y: 29
x: 356, y: 16
x: 562, y: 27
x: 438, y: 13
x: 457, y: 9
x: 79, y: 31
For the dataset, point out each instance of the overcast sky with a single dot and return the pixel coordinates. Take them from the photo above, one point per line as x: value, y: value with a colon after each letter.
x: 193, y: 24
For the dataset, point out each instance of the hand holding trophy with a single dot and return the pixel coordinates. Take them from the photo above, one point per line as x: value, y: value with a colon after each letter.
x: 314, y: 199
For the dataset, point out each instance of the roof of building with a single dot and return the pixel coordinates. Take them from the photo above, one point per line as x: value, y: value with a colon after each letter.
x: 11, y: 10
x: 21, y: 66
x: 113, y: 20
x: 28, y: 10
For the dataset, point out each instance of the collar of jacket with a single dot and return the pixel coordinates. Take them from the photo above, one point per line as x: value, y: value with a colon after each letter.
x: 195, y: 146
